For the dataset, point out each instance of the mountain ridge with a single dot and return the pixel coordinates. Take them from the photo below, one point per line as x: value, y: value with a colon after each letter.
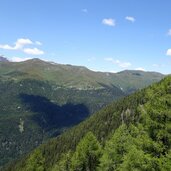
x: 77, y: 76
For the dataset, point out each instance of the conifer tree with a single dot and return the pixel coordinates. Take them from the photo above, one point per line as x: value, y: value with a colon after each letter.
x: 87, y: 154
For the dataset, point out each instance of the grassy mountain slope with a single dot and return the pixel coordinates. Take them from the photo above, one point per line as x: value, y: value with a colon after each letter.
x: 75, y: 76
x: 144, y: 118
x: 40, y: 100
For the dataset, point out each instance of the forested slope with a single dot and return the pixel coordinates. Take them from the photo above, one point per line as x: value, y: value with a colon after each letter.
x: 39, y: 100
x: 133, y: 133
x: 31, y: 111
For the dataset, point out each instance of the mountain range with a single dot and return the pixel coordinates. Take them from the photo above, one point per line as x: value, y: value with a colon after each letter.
x: 78, y: 77
x: 40, y: 100
x: 132, y: 133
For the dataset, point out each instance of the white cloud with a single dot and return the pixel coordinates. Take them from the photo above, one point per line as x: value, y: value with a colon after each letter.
x: 168, y: 53
x: 140, y: 69
x: 158, y: 65
x: 169, y: 32
x: 33, y: 51
x: 108, y: 59
x: 84, y: 10
x: 91, y: 59
x: 95, y: 70
x: 155, y: 65
x: 118, y: 62
x: 113, y: 71
x: 38, y: 43
x: 124, y: 64
x: 18, y: 59
x: 129, y: 18
x: 21, y: 43
x: 7, y: 47
x: 109, y: 22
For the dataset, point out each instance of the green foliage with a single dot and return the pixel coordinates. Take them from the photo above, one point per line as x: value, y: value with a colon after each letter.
x: 64, y: 163
x: 124, y: 144
x: 85, y: 157
x: 137, y: 160
x: 35, y: 162
x: 166, y: 161
x: 114, y: 149
x: 145, y: 146
x: 87, y: 154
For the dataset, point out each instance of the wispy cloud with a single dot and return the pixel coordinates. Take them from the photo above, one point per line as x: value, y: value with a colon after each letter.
x: 168, y: 53
x: 38, y: 43
x: 169, y: 32
x: 158, y: 65
x: 109, y: 59
x: 109, y: 22
x: 33, y: 51
x: 91, y: 59
x: 20, y: 45
x: 118, y: 62
x: 113, y: 71
x: 7, y: 47
x: 85, y: 10
x: 155, y: 65
x: 129, y: 18
x: 18, y: 59
x: 140, y: 69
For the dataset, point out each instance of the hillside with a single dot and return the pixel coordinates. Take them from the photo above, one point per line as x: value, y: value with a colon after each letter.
x: 32, y: 111
x: 39, y: 100
x: 76, y: 76
x: 133, y: 133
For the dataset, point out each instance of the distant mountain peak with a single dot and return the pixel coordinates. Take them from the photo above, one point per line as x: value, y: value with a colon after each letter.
x: 34, y: 59
x: 3, y: 59
x: 134, y: 72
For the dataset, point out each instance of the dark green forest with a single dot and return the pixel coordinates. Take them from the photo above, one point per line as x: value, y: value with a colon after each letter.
x: 33, y: 111
x: 133, y: 133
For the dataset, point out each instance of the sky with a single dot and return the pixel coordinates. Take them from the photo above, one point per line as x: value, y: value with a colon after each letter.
x: 103, y: 35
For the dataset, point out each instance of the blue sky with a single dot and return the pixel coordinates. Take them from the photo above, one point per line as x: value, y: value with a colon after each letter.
x: 103, y: 35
